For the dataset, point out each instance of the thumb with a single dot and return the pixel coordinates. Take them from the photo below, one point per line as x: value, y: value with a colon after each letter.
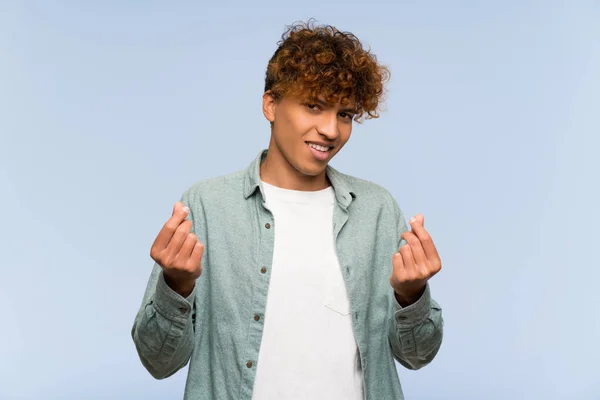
x: 418, y: 219
x: 180, y: 210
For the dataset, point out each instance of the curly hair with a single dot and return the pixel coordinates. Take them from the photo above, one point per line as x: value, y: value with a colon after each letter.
x: 314, y: 61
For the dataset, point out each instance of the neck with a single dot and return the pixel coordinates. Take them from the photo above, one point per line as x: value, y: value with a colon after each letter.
x: 276, y: 170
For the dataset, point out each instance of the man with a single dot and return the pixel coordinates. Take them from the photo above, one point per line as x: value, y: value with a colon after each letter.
x: 291, y: 280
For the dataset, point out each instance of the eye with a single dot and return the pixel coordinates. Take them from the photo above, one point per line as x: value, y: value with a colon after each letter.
x: 313, y: 107
x: 346, y: 116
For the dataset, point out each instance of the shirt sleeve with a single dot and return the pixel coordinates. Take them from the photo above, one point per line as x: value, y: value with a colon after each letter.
x: 416, y: 331
x: 163, y: 330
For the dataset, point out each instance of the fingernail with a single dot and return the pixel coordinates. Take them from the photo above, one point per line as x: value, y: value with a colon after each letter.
x: 185, y: 209
x: 413, y: 219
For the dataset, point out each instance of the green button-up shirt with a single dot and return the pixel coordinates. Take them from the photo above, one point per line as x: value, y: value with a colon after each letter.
x: 215, y: 329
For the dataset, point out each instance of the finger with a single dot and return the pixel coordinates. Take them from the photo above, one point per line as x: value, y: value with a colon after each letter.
x: 196, y: 256
x: 180, y: 212
x: 179, y: 237
x: 416, y: 248
x: 418, y: 229
x: 397, y: 261
x: 188, y: 245
x: 407, y: 258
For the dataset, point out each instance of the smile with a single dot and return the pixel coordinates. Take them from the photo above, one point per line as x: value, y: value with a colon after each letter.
x: 318, y: 147
x: 319, y: 152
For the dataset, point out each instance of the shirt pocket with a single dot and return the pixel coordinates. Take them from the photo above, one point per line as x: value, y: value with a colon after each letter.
x: 336, y: 299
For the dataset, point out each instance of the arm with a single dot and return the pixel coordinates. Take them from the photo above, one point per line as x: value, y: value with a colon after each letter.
x: 163, y: 330
x: 415, y: 331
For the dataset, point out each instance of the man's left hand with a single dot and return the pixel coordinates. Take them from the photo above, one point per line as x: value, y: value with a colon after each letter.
x: 414, y: 263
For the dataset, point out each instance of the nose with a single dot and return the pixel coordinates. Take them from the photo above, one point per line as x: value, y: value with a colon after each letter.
x: 328, y: 125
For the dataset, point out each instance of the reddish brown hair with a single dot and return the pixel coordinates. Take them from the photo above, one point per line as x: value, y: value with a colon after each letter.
x: 321, y: 61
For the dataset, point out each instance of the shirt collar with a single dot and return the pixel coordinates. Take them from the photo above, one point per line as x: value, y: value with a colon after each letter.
x: 341, y: 186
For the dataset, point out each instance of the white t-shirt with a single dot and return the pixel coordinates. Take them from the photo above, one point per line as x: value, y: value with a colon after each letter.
x: 308, y: 349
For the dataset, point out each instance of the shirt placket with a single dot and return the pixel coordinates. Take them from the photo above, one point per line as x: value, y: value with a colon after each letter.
x: 261, y: 273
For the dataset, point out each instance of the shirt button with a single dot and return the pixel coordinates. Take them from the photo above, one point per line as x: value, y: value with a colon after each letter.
x: 263, y: 270
x: 268, y: 225
x: 256, y: 318
x: 249, y: 364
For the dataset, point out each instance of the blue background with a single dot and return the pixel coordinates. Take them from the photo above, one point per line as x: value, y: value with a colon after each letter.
x: 110, y: 110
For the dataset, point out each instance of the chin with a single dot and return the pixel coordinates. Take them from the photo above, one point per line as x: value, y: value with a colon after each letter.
x: 307, y: 165
x: 312, y: 170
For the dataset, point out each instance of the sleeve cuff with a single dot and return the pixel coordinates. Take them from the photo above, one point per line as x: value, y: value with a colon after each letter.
x: 416, y: 312
x: 170, y: 303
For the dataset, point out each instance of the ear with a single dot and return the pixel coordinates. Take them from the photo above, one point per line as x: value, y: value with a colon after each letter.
x: 268, y: 106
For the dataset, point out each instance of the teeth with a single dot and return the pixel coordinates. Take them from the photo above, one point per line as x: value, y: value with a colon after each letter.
x: 317, y: 147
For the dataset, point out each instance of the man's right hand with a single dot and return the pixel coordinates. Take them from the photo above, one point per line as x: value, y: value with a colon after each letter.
x: 179, y: 253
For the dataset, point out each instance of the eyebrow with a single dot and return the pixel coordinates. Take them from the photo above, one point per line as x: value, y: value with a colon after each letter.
x: 344, y: 110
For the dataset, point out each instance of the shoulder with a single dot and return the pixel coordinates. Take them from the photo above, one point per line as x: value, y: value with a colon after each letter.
x: 373, y: 201
x: 215, y: 188
x: 368, y: 192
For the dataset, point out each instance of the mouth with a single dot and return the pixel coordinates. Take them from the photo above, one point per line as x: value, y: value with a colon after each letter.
x: 319, y: 151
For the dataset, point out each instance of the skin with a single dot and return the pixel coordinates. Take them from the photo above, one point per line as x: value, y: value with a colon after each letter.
x: 289, y: 164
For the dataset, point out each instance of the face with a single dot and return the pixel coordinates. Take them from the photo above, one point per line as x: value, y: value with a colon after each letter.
x: 307, y: 134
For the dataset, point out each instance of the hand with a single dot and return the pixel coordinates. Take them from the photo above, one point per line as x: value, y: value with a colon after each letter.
x: 179, y: 253
x: 414, y: 263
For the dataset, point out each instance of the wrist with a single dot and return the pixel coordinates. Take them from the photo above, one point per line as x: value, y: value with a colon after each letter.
x: 406, y: 298
x: 182, y: 287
